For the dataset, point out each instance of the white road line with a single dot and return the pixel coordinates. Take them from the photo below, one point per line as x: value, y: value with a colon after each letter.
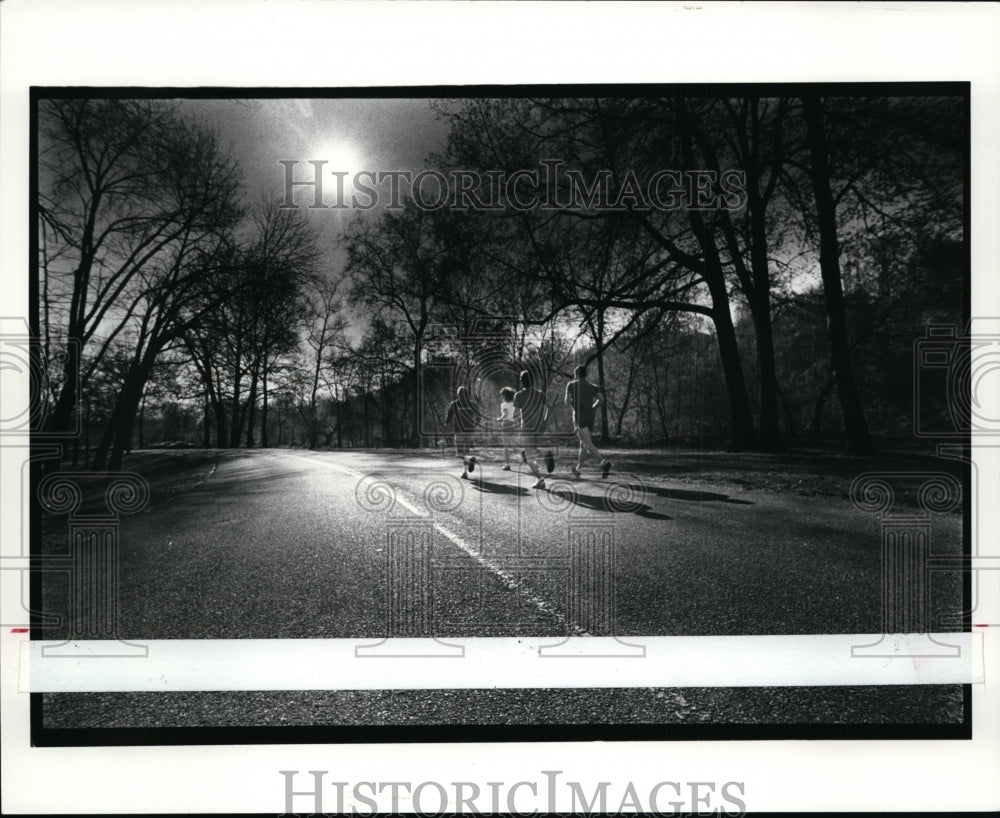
x: 513, y: 584
x: 509, y: 581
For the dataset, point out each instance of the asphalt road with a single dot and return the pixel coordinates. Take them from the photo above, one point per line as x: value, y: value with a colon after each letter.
x: 289, y: 545
x: 279, y: 544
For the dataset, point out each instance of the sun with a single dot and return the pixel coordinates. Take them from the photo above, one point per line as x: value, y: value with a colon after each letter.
x: 341, y: 155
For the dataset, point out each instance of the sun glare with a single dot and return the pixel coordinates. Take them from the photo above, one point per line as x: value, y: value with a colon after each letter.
x: 340, y: 156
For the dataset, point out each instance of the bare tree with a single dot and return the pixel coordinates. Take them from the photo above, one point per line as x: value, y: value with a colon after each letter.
x: 324, y: 340
x: 125, y: 187
x: 856, y: 428
x: 401, y: 268
x: 235, y: 346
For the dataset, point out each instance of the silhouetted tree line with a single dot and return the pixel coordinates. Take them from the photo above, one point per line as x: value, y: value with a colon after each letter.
x: 170, y: 310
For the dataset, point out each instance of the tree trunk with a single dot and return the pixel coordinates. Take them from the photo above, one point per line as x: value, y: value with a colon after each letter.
x: 744, y: 434
x: 793, y: 427
x: 130, y: 398
x: 117, y: 437
x: 313, y: 423
x: 142, y: 420
x: 263, y: 410
x: 46, y: 337
x: 108, y: 435
x: 770, y: 431
x: 219, y: 407
x: 205, y: 440
x: 605, y: 432
x: 213, y: 399
x: 756, y: 284
x: 416, y: 395
x: 235, y: 421
x: 133, y: 392
x: 649, y: 414
x: 76, y: 451
x: 628, y: 396
x: 760, y: 308
x: 251, y: 410
x: 340, y: 424
x: 62, y: 412
x: 660, y: 411
x: 386, y: 400
x: 858, y: 439
x: 367, y: 413
x: 816, y: 424
x: 86, y: 432
x: 123, y: 434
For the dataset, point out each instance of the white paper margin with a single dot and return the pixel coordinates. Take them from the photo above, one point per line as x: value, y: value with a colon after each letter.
x: 334, y: 44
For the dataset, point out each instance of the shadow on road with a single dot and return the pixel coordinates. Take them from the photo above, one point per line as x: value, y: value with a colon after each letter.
x: 592, y: 502
x: 695, y: 496
x: 487, y: 487
x: 608, y: 503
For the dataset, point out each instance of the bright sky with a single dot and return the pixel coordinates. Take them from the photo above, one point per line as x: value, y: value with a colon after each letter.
x: 369, y: 134
x: 380, y: 134
x: 374, y: 134
x: 350, y: 134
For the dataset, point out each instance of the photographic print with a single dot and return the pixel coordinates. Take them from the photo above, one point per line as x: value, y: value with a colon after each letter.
x: 400, y: 413
x: 578, y: 365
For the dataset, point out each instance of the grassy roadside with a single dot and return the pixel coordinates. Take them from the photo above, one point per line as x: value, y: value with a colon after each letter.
x: 167, y: 473
x: 804, y: 473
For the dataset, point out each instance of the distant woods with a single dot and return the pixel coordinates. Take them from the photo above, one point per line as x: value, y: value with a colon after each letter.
x: 174, y: 309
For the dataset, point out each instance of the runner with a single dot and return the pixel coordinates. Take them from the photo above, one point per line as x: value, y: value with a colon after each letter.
x: 530, y: 402
x: 584, y: 397
x: 462, y: 418
x: 506, y: 421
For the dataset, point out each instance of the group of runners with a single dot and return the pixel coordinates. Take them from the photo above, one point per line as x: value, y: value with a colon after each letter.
x: 522, y: 421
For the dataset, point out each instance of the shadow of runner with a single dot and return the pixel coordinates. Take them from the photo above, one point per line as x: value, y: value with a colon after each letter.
x: 694, y: 496
x: 487, y: 487
x: 603, y: 503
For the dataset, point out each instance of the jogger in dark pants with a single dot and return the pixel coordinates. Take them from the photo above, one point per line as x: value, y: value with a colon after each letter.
x: 529, y: 404
x: 584, y: 397
x: 461, y: 418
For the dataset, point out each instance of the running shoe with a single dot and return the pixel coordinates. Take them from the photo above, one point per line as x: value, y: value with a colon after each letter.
x: 472, y: 465
x: 465, y: 475
x: 524, y: 457
x: 550, y: 462
x: 506, y: 467
x: 605, y: 468
x: 540, y: 484
x: 576, y: 472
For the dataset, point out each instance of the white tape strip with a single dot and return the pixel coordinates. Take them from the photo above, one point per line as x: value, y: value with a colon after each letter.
x: 333, y: 664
